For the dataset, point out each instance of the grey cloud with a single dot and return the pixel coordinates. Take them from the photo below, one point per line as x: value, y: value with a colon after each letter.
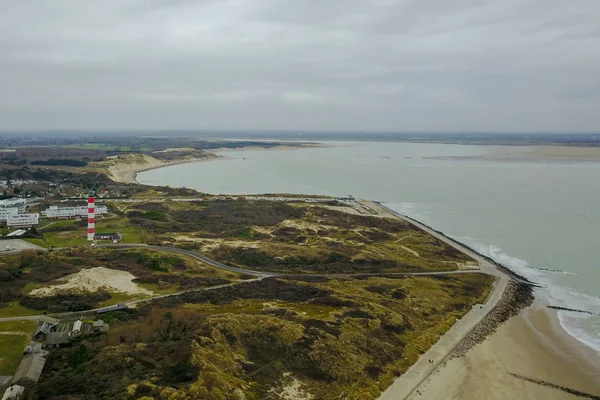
x: 397, y: 65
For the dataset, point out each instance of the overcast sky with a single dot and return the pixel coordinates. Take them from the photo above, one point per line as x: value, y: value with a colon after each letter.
x: 394, y: 65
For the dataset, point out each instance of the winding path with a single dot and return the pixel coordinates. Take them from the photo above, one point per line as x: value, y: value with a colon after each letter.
x: 257, y: 274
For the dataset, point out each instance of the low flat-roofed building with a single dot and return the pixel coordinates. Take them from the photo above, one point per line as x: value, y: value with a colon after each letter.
x: 22, y: 220
x: 29, y: 371
x: 100, y: 326
x: 55, y: 212
x: 58, y: 339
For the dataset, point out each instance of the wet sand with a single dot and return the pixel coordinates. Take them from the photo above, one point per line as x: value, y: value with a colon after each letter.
x: 532, y: 345
x: 541, y: 153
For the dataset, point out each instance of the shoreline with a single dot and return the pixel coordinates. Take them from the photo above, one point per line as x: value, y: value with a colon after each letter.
x: 123, y: 174
x: 135, y: 173
x: 512, y: 318
x: 127, y: 173
x: 559, y: 337
x: 530, y: 356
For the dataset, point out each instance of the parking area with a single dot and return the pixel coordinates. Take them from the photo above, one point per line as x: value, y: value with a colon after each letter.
x: 16, y: 245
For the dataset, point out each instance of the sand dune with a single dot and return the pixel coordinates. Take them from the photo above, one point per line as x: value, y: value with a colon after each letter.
x: 92, y: 279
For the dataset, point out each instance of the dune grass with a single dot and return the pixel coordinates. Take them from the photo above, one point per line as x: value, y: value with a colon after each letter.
x: 338, y: 337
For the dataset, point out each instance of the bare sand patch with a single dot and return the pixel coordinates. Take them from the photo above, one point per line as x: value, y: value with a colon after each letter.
x: 563, y: 152
x: 536, y: 153
x: 290, y: 389
x: 92, y: 279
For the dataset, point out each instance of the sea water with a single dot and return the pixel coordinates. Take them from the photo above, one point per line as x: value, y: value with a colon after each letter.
x: 540, y: 218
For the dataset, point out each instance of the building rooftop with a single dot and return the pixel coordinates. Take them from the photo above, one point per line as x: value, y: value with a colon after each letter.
x: 55, y: 338
x: 29, y: 371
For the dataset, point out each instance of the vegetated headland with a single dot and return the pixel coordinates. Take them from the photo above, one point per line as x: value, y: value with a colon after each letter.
x: 246, y: 297
x: 381, y: 286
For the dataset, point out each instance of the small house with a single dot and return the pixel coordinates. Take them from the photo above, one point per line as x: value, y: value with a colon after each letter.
x: 112, y: 237
x: 45, y: 326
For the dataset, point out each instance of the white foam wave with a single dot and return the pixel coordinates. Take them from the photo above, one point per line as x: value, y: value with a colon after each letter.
x: 575, y: 324
x: 582, y: 326
x: 575, y: 327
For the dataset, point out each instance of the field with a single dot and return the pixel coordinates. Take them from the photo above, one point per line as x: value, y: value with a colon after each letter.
x: 327, y: 338
x: 11, y: 352
x: 80, y: 278
x: 27, y: 327
x: 14, y: 309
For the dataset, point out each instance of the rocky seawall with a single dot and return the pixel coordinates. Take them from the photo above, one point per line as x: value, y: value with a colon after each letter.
x: 517, y: 296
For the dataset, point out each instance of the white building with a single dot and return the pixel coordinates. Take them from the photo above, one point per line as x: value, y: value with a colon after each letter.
x: 77, y: 327
x: 54, y: 212
x: 5, y: 212
x: 22, y: 220
x: 14, y: 203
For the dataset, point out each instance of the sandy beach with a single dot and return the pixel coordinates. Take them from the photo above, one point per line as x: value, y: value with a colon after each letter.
x: 530, y: 345
x: 126, y: 172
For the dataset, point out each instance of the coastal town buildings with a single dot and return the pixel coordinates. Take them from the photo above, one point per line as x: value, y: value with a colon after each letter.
x: 23, y: 220
x: 17, y: 203
x: 5, y: 212
x: 55, y: 212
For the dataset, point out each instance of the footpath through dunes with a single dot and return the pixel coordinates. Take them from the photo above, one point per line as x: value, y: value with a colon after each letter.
x: 403, y: 312
x: 407, y: 383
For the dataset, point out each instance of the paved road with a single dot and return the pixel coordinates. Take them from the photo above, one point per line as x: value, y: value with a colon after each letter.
x: 485, y: 266
x: 265, y: 274
x: 197, y: 256
x: 129, y: 304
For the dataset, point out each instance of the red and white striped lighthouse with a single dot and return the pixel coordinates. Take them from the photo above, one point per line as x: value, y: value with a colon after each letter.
x: 91, y: 214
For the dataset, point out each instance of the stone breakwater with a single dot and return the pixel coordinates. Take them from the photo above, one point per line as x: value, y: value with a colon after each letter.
x: 517, y: 296
x: 558, y: 387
